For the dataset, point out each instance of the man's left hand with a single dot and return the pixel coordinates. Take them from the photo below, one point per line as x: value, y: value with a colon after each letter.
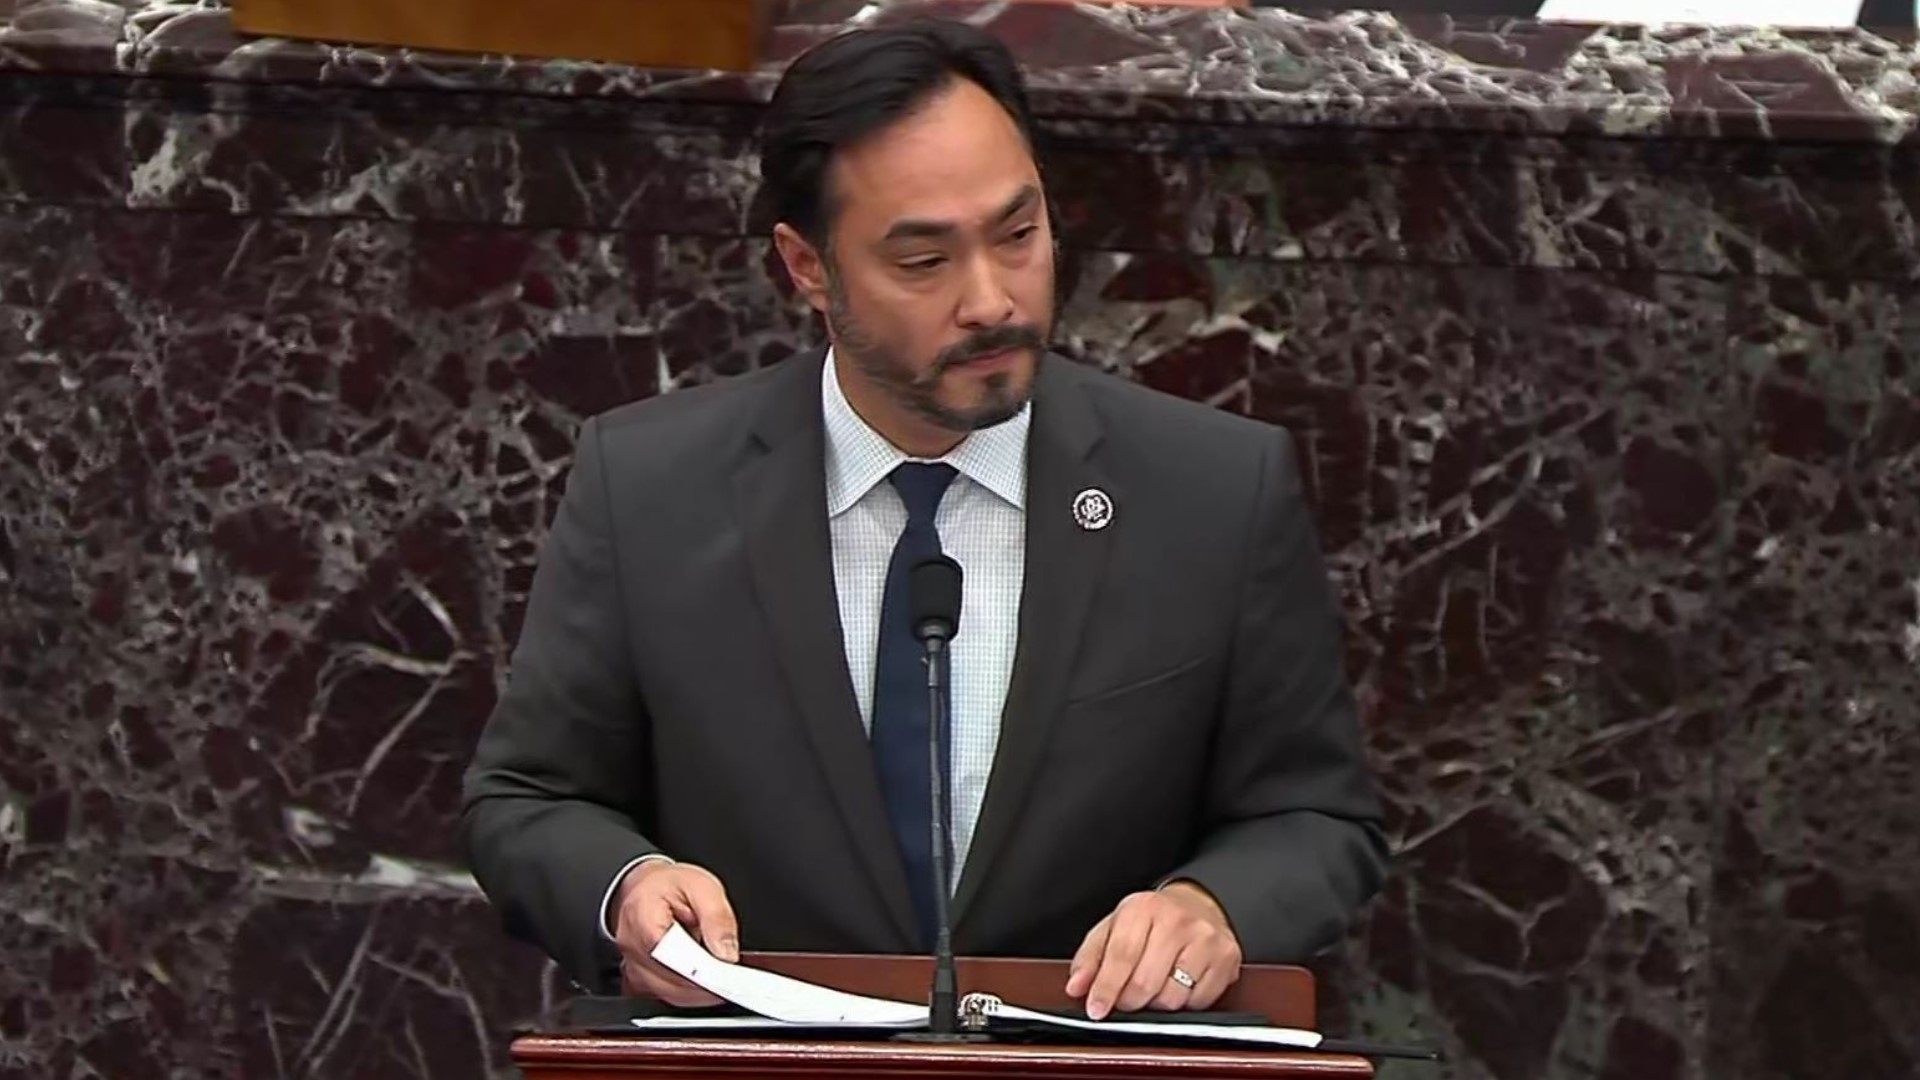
x: 1129, y: 961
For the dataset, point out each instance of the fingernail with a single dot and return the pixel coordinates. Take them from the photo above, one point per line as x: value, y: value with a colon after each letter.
x: 1097, y: 1010
x: 730, y: 950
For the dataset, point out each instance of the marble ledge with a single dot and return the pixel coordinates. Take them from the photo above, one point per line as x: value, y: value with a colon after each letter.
x: 1235, y: 69
x: 383, y: 877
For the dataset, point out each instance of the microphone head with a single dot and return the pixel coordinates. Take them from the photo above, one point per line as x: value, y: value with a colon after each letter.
x: 933, y: 586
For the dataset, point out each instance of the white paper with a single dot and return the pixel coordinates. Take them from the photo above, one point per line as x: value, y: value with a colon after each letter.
x: 776, y: 996
x: 784, y: 1003
x: 1246, y: 1033
x: 1789, y: 13
x: 722, y: 1025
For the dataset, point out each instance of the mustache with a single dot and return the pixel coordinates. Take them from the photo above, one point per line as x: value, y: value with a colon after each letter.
x: 988, y: 342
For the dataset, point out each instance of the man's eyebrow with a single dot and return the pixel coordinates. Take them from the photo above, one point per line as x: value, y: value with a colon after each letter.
x: 1022, y: 199
x: 922, y: 229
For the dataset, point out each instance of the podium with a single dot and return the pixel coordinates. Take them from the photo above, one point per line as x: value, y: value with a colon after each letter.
x: 1284, y: 995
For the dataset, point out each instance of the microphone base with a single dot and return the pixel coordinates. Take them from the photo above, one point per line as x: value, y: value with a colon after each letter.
x: 943, y: 1038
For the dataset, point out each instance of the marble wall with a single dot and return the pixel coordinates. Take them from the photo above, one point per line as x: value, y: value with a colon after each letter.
x: 1614, y: 441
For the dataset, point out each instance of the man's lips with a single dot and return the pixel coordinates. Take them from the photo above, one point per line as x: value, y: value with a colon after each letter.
x: 1002, y: 359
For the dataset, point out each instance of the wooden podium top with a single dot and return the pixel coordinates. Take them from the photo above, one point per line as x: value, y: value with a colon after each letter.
x: 1284, y: 995
x: 590, y: 1057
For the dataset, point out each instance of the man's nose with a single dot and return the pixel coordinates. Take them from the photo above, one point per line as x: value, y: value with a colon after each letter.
x: 984, y: 300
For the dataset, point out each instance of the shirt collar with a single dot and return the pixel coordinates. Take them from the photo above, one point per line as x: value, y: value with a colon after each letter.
x: 859, y: 457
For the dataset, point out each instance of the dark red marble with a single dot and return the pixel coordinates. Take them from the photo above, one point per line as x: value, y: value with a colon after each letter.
x: 1518, y: 502
x: 1816, y: 888
x: 1599, y: 344
x: 1371, y: 69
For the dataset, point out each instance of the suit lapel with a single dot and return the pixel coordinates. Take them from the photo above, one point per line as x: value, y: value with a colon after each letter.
x: 1064, y: 565
x: 781, y: 496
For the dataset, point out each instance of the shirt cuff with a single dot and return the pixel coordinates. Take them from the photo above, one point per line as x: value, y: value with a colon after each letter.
x: 606, y: 902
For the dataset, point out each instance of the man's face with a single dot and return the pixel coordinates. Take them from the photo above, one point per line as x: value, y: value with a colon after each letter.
x: 939, y: 275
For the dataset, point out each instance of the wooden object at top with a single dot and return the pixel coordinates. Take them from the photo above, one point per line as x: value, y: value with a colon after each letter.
x: 723, y: 34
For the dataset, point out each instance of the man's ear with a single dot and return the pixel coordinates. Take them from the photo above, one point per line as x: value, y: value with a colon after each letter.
x: 804, y: 265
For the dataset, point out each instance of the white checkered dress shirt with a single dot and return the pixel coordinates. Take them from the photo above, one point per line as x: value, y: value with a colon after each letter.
x: 983, y: 526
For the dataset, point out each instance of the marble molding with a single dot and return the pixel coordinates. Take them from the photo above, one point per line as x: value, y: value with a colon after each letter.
x: 1600, y: 345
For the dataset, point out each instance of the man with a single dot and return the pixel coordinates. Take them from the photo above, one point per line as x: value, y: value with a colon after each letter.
x: 717, y: 714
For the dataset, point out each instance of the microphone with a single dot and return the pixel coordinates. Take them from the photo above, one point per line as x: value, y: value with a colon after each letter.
x: 933, y: 590
x: 934, y: 595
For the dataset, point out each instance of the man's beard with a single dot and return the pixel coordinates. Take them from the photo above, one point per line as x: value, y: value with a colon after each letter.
x: 1005, y: 395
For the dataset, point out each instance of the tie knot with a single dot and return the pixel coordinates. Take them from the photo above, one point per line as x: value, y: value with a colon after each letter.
x: 921, y: 487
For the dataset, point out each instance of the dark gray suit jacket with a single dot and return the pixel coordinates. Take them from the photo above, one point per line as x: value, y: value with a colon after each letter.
x: 1177, y: 706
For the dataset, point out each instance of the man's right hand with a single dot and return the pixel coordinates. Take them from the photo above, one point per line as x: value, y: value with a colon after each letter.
x: 651, y: 898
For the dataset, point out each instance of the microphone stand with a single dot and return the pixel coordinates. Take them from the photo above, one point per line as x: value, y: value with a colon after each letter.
x: 943, y: 1008
x: 945, y: 1004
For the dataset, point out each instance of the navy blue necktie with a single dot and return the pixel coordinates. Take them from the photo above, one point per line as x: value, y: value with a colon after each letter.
x: 901, y: 718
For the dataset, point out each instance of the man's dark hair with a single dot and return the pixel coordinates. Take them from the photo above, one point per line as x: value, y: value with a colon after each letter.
x: 851, y: 86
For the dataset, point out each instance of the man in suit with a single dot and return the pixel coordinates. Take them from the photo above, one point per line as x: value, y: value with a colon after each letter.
x: 717, y: 713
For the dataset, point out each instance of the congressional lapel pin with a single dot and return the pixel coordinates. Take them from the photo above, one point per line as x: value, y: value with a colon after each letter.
x: 1092, y: 510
